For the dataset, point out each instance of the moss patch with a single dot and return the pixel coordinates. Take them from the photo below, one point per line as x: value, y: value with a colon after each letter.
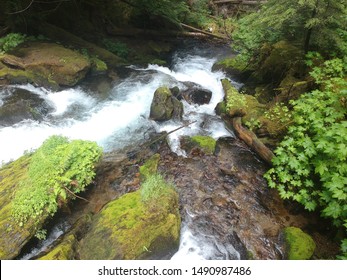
x: 46, y: 64
x: 300, y: 246
x: 98, y: 66
x: 149, y: 167
x: 127, y: 229
x: 12, y: 236
x: 206, y: 143
x: 238, y: 104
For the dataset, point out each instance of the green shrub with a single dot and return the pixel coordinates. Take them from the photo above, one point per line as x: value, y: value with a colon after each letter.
x: 10, y: 41
x: 310, y: 166
x: 58, y: 170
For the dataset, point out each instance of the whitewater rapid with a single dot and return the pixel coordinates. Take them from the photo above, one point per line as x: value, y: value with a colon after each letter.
x: 121, y: 117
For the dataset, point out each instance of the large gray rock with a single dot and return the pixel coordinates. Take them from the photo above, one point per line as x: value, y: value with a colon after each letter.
x: 195, y: 94
x: 22, y: 104
x: 165, y: 106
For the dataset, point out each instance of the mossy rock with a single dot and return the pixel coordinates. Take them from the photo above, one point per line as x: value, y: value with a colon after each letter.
x: 127, y: 228
x: 149, y: 167
x: 234, y: 66
x: 12, y: 236
x: 165, y: 106
x: 98, y: 66
x: 207, y: 143
x: 221, y: 108
x: 242, y: 105
x: 204, y: 144
x: 300, y: 245
x: 45, y: 64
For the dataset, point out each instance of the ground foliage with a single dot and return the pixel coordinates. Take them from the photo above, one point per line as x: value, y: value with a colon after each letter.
x: 310, y: 166
x: 58, y: 170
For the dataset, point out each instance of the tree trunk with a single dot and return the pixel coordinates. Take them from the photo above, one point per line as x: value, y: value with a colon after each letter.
x: 252, y: 141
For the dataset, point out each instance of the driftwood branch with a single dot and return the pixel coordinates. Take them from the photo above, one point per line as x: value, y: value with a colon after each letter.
x: 252, y: 140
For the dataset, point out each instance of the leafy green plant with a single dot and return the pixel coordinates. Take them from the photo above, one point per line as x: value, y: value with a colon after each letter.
x: 253, y: 124
x: 10, y: 41
x: 117, y: 48
x: 279, y: 113
x: 41, y: 234
x: 58, y: 170
x: 310, y: 166
x: 237, y: 100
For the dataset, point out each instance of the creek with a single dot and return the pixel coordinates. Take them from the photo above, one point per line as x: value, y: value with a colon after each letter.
x: 224, y: 216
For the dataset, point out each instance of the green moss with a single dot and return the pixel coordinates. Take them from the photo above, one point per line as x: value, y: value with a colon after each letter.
x: 149, y: 167
x: 127, y: 229
x: 300, y: 246
x: 12, y: 236
x: 98, y: 65
x: 207, y: 143
x: 64, y: 251
x: 236, y: 64
x: 221, y: 108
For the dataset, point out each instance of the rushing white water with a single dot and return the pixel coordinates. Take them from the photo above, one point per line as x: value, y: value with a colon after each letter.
x: 123, y: 116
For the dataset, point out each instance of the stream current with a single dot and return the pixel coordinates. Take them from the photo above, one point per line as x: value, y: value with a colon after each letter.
x: 120, y: 117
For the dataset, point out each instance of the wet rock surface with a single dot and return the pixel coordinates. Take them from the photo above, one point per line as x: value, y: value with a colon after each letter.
x: 224, y: 202
x: 20, y: 105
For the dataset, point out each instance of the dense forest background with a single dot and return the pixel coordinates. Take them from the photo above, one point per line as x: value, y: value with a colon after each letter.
x: 295, y: 51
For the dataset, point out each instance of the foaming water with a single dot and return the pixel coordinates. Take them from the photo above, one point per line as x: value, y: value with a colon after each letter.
x: 123, y: 116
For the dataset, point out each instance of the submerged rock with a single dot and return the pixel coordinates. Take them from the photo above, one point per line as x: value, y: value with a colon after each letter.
x: 126, y: 228
x: 45, y: 64
x: 165, y: 106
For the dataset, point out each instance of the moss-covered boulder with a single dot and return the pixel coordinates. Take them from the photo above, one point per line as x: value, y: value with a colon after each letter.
x: 13, y: 236
x: 35, y: 186
x: 128, y: 228
x: 234, y: 66
x: 198, y: 144
x: 244, y: 105
x: 299, y: 245
x: 45, y: 64
x: 271, y: 120
x: 165, y: 106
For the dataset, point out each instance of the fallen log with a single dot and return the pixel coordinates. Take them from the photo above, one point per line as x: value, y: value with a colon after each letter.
x: 204, y: 32
x: 252, y: 140
x: 137, y: 32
